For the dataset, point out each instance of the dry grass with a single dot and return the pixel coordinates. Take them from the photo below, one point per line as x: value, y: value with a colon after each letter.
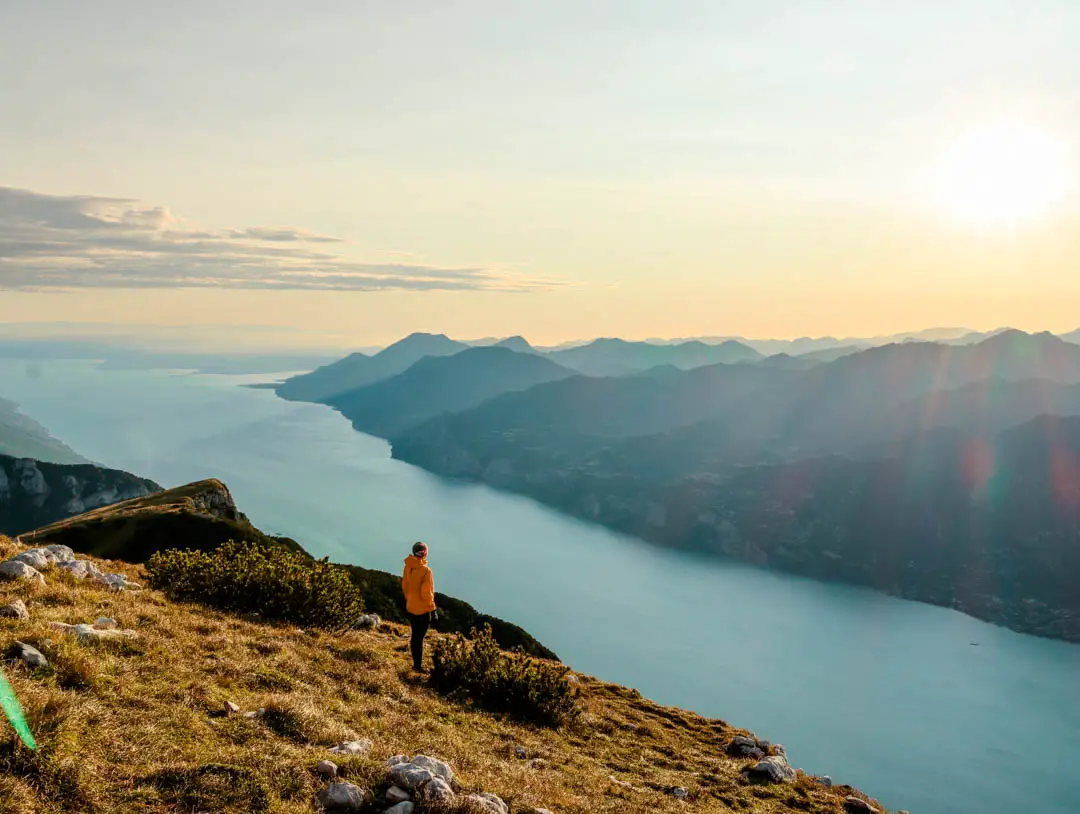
x: 138, y: 727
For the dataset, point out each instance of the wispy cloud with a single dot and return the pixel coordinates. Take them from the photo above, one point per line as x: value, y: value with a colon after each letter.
x: 87, y: 241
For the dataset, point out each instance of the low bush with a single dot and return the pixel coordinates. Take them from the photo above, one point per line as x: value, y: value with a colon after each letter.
x: 278, y: 584
x: 513, y: 683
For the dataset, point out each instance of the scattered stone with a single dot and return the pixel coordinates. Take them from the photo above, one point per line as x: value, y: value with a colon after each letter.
x: 342, y: 797
x: 742, y: 746
x: 537, y: 763
x: 572, y: 679
x: 436, y: 767
x: 778, y: 749
x: 16, y: 610
x: 438, y: 790
x: 15, y: 569
x: 521, y: 752
x: 232, y: 708
x: 396, y: 759
x: 256, y: 713
x: 60, y: 553
x: 679, y: 793
x: 89, y: 633
x: 327, y: 768
x: 80, y: 569
x: 771, y: 770
x: 106, y: 623
x: 489, y: 802
x: 395, y: 795
x: 826, y: 781
x: 35, y: 557
x: 30, y: 656
x: 856, y: 805
x: 367, y: 621
x: 401, y: 808
x: 360, y: 747
x: 410, y: 777
x: 622, y: 784
x: 117, y: 582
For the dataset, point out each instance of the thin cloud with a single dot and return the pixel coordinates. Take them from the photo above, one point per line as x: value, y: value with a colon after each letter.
x: 50, y: 242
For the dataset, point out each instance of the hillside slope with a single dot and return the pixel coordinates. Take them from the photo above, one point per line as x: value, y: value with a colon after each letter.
x: 139, y: 724
x: 203, y: 515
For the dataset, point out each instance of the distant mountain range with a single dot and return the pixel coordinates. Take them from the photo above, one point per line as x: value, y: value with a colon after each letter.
x: 795, y: 467
x: 439, y: 384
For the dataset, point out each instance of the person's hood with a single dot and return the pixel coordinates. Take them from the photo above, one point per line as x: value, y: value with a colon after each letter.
x: 414, y: 563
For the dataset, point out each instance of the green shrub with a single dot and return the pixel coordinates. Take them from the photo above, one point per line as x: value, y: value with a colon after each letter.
x: 513, y: 683
x: 278, y: 584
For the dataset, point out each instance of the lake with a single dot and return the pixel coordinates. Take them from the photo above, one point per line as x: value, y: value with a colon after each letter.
x: 889, y: 695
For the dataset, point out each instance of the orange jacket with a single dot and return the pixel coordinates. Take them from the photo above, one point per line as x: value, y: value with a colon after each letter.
x: 419, y: 586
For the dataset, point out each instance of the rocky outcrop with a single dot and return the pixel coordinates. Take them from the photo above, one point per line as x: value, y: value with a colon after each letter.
x: 34, y: 493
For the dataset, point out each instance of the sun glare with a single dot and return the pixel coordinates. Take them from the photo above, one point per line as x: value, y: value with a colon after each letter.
x: 1002, y: 175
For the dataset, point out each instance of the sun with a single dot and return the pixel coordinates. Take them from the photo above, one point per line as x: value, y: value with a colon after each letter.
x: 1001, y: 175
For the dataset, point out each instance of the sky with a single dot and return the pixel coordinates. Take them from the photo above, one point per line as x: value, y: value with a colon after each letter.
x: 347, y: 171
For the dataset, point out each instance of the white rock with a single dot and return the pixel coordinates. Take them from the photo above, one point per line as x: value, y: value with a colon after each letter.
x: 367, y: 621
x: 30, y: 656
x: 489, y: 802
x: 679, y: 793
x: 60, y: 553
x: 16, y: 569
x: 401, y: 808
x: 16, y: 610
x: 360, y: 747
x: 35, y: 557
x: 232, y: 708
x: 395, y: 795
x: 521, y: 752
x: 116, y: 582
x: 89, y: 633
x: 438, y: 790
x: 436, y: 767
x: 80, y: 569
x: 105, y: 623
x: 342, y: 797
x: 410, y: 777
x: 327, y: 768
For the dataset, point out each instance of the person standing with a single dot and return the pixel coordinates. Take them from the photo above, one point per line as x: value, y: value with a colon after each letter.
x: 418, y: 585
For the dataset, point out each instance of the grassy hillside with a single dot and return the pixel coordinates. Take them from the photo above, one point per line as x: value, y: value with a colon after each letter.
x: 203, y: 515
x: 138, y: 725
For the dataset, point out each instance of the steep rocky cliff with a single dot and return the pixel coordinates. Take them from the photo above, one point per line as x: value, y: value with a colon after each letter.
x: 34, y: 493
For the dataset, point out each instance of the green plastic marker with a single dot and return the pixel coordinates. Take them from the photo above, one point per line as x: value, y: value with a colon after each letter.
x: 13, y: 710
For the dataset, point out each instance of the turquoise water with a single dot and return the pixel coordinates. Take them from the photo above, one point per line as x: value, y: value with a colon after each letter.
x: 881, y: 693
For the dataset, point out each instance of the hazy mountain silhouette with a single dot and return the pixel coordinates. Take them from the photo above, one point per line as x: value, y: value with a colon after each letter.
x: 358, y: 369
x: 516, y: 343
x: 440, y: 384
x: 617, y: 357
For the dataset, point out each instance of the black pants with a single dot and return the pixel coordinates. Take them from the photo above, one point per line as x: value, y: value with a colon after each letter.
x: 420, y: 624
